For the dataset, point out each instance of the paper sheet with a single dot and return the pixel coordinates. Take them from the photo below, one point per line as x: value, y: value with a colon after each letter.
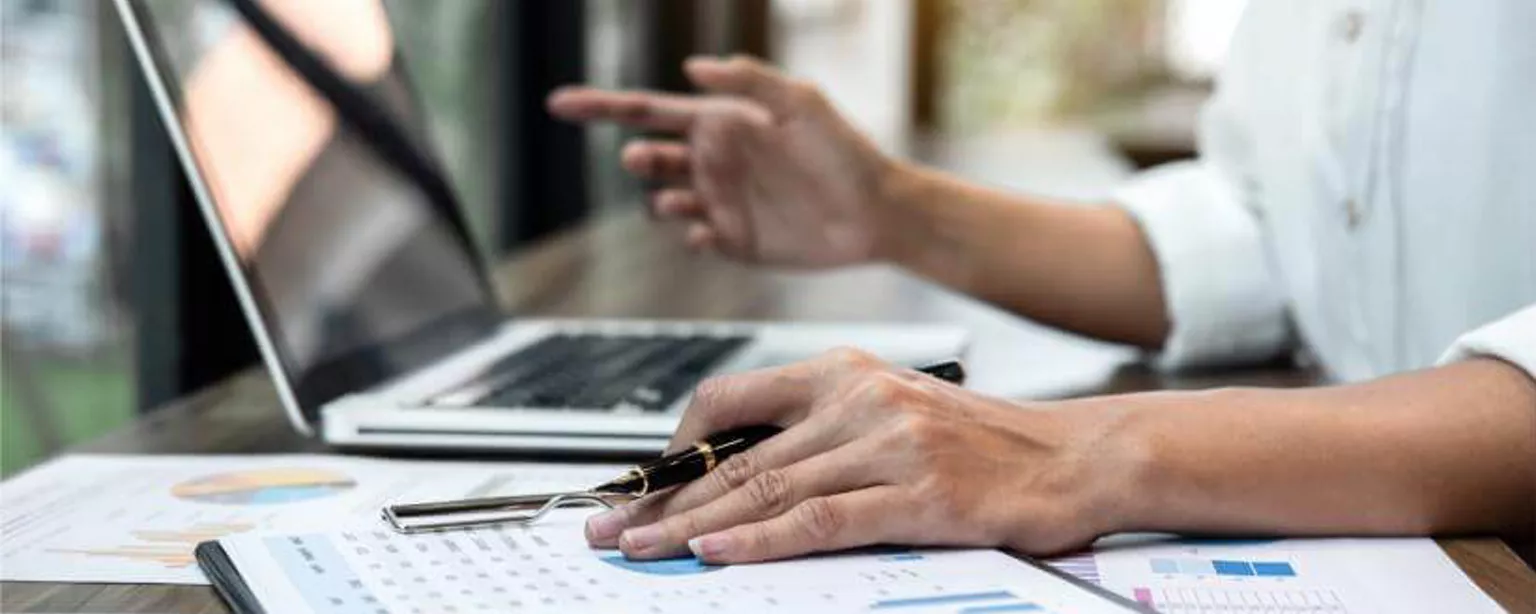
x: 1322, y: 576
x: 550, y: 568
x: 135, y: 519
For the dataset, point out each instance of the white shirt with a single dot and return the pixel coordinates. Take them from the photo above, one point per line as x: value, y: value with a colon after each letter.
x: 1366, y: 190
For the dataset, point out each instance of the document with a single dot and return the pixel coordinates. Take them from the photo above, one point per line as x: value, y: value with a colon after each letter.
x: 136, y: 519
x: 1322, y: 576
x: 550, y: 568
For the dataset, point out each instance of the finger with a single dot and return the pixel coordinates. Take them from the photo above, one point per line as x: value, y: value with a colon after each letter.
x: 603, y: 529
x: 816, y: 436
x: 780, y: 395
x: 701, y: 237
x: 745, y: 77
x: 657, y: 161
x: 766, y: 494
x: 770, y: 396
x: 676, y: 203
x: 801, y: 441
x: 818, y: 524
x: 644, y: 110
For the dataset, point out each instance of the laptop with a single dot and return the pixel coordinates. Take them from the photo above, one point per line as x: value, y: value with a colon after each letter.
x: 308, y: 154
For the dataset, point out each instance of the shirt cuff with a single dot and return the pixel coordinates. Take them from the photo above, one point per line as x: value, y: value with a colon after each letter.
x: 1512, y: 339
x: 1224, y: 302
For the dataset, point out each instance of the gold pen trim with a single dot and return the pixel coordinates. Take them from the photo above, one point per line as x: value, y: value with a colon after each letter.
x: 645, y: 481
x: 708, y: 451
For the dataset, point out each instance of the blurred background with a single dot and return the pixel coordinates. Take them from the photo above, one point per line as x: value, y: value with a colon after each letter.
x: 112, y: 302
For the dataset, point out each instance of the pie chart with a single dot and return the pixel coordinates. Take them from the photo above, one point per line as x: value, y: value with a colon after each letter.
x: 264, y: 486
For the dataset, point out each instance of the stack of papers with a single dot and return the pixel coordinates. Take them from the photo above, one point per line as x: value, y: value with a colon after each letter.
x: 305, y: 532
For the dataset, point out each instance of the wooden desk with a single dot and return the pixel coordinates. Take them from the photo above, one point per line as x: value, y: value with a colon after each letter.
x: 621, y: 267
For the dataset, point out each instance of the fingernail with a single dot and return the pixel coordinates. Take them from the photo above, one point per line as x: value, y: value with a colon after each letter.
x: 605, y: 526
x: 640, y: 539
x: 710, y: 547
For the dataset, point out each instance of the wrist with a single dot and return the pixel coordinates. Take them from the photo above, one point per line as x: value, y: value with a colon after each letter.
x: 1168, y: 444
x: 897, y: 213
x: 1138, y: 474
x: 1123, y: 456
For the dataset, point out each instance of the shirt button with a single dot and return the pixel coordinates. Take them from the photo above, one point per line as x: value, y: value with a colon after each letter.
x: 1351, y: 25
x: 1353, y: 213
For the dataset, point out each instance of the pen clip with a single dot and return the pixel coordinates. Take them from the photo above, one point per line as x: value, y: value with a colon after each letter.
x: 520, y: 509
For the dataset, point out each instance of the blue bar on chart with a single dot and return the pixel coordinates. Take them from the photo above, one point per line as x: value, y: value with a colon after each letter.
x: 1233, y: 568
x: 1229, y: 568
x: 959, y: 598
x: 897, y: 558
x: 1019, y: 606
x: 1283, y: 570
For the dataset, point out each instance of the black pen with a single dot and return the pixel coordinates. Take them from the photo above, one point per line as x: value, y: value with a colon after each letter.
x: 704, y: 456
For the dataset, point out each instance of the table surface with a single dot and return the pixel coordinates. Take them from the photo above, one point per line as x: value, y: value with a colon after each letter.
x: 620, y: 266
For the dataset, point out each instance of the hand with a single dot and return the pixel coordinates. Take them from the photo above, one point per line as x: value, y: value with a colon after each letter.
x: 874, y: 454
x: 768, y: 173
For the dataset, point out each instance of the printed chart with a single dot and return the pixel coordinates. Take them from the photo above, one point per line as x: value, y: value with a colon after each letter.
x: 169, y: 548
x: 264, y: 486
x: 1267, y: 576
x: 138, y: 519
x: 550, y: 569
x: 1221, y: 567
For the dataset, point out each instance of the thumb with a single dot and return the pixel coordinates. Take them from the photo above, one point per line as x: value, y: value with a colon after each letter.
x: 745, y: 77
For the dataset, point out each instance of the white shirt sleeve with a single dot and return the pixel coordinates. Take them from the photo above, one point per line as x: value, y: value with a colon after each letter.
x: 1224, y: 304
x: 1220, y: 285
x: 1512, y: 339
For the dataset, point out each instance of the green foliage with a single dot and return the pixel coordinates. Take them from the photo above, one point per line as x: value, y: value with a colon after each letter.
x: 1026, y: 61
x: 84, y: 399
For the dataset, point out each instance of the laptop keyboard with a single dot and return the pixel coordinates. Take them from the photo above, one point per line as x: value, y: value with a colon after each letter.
x: 594, y: 371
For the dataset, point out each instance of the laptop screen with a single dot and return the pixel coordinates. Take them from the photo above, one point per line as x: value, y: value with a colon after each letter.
x: 354, y: 268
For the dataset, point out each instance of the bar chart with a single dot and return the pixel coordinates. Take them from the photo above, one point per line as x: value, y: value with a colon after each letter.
x: 1171, y: 574
x: 171, y: 548
x: 1221, y: 567
x: 1206, y: 577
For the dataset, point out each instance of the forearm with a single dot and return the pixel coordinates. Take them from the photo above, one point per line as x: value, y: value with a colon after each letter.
x: 1084, y: 269
x: 1448, y: 450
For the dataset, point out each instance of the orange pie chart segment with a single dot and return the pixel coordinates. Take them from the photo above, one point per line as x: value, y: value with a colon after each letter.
x: 264, y: 486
